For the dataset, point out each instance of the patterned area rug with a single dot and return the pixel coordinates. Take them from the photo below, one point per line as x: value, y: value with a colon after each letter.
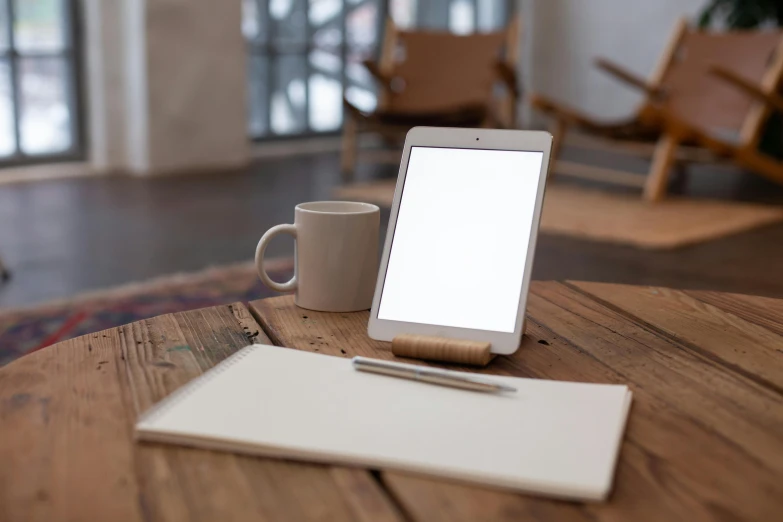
x: 24, y: 331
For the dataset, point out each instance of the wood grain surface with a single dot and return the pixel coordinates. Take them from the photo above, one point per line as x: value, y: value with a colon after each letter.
x: 460, y: 351
x: 704, y: 439
x: 705, y: 436
x: 67, y: 453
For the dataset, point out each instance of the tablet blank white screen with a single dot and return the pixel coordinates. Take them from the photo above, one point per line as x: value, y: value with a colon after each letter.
x: 460, y: 244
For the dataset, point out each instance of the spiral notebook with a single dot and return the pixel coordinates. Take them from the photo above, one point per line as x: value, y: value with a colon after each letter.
x: 552, y: 438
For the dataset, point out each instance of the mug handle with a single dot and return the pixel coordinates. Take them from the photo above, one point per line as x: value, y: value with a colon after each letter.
x: 261, y: 248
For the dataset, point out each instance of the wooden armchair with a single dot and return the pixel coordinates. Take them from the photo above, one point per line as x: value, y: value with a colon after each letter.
x: 708, y: 99
x: 744, y: 152
x: 637, y: 127
x: 436, y: 79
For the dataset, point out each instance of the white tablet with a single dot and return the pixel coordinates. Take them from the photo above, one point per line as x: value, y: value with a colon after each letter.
x: 462, y: 233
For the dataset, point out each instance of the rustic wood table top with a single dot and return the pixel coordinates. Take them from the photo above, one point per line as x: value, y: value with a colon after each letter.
x: 704, y: 438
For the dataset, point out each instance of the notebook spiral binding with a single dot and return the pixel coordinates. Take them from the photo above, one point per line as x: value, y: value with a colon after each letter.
x: 153, y: 413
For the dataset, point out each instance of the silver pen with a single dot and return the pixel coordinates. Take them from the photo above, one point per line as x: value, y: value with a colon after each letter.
x: 429, y: 375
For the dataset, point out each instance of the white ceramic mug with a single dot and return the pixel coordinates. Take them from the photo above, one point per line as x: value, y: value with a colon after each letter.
x: 336, y: 256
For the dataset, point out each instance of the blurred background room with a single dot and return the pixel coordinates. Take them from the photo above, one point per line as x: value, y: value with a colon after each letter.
x: 146, y: 145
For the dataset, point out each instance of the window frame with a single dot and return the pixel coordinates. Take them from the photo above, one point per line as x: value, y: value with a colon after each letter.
x: 269, y: 50
x: 71, y: 57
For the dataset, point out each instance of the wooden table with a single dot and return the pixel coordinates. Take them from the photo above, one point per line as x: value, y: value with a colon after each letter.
x: 704, y: 439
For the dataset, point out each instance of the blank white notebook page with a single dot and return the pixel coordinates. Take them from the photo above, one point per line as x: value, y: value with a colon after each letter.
x: 460, y: 243
x: 555, y: 438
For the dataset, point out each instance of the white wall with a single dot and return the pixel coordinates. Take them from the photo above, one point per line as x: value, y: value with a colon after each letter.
x: 565, y: 36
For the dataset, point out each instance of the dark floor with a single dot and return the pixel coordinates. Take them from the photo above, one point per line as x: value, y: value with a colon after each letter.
x: 64, y: 237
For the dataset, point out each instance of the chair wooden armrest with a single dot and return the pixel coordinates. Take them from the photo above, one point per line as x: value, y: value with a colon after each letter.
x: 628, y: 77
x: 509, y: 77
x: 772, y: 99
x: 383, y: 79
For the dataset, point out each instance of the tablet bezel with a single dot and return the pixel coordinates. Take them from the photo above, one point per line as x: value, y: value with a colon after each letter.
x: 491, y: 139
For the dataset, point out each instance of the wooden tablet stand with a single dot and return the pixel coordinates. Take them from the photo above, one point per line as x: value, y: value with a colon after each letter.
x: 458, y: 351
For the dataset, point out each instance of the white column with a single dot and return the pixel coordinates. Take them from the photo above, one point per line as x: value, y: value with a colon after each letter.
x: 166, y: 85
x: 105, y: 84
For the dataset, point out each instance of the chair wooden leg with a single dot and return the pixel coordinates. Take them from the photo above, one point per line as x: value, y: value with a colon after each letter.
x: 558, y: 130
x: 509, y: 107
x: 662, y: 161
x: 679, y: 177
x: 760, y: 164
x: 348, y: 148
x: 5, y: 275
